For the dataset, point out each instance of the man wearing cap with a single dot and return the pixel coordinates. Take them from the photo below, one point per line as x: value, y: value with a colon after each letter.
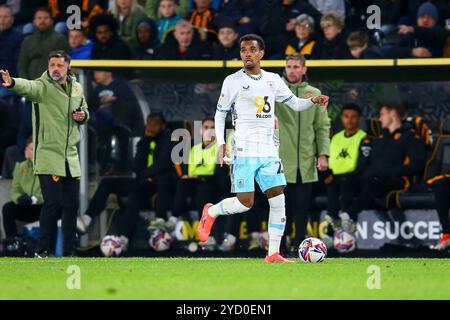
x: 426, y: 39
x: 59, y: 108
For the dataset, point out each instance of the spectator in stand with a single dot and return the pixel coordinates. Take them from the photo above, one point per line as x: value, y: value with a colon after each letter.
x: 304, y: 40
x: 334, y: 43
x: 80, y: 46
x: 113, y: 104
x: 202, y: 178
x: 10, y: 42
x: 152, y: 9
x: 349, y: 158
x: 128, y: 13
x: 185, y: 43
x: 146, y: 43
x: 26, y: 195
x: 249, y: 16
x: 23, y: 11
x: 326, y: 6
x: 107, y: 44
x: 358, y: 43
x: 278, y: 23
x: 169, y: 17
x: 396, y: 156
x: 36, y: 47
x: 245, y: 14
x: 203, y: 17
x: 228, y: 47
x: 425, y: 40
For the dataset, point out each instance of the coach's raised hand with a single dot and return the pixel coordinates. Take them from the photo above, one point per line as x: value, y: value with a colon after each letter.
x: 322, y: 100
x: 7, y: 81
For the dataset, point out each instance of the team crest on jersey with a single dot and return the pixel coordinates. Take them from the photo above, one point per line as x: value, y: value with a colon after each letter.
x: 308, y: 94
x: 271, y: 85
x: 75, y: 90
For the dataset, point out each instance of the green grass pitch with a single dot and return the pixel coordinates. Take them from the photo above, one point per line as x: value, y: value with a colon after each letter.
x: 197, y: 278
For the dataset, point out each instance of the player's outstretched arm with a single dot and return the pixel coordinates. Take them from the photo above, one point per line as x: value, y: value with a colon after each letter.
x: 299, y: 104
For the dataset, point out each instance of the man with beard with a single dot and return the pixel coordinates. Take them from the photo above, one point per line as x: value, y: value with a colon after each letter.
x: 36, y: 47
x: 59, y: 108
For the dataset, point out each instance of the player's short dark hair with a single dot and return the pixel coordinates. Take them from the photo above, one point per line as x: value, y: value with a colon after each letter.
x: 397, y: 106
x: 103, y: 19
x: 59, y: 54
x: 351, y: 106
x: 298, y: 57
x: 43, y: 9
x: 253, y: 37
x: 157, y: 115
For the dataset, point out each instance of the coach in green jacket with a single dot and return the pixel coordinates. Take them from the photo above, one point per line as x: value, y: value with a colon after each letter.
x: 59, y: 107
x: 304, y: 146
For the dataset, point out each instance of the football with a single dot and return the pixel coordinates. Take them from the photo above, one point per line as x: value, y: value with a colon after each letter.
x: 112, y: 246
x: 312, y: 250
x: 160, y: 240
x: 344, y: 241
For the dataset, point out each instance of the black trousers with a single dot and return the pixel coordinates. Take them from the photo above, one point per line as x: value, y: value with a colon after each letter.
x: 340, y: 194
x: 13, y: 212
x: 61, y: 199
x: 140, y: 197
x: 298, y: 202
x: 442, y: 204
x: 371, y: 189
x: 201, y: 192
x: 122, y: 186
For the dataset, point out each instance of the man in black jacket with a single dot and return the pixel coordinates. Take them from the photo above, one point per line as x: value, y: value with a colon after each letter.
x: 107, y: 45
x: 278, y: 23
x: 333, y: 45
x: 154, y: 172
x: 425, y: 40
x: 396, y: 156
x: 228, y: 47
x: 184, y: 43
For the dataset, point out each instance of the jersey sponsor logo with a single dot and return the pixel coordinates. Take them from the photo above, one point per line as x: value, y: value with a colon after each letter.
x: 263, y: 106
x: 344, y: 153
